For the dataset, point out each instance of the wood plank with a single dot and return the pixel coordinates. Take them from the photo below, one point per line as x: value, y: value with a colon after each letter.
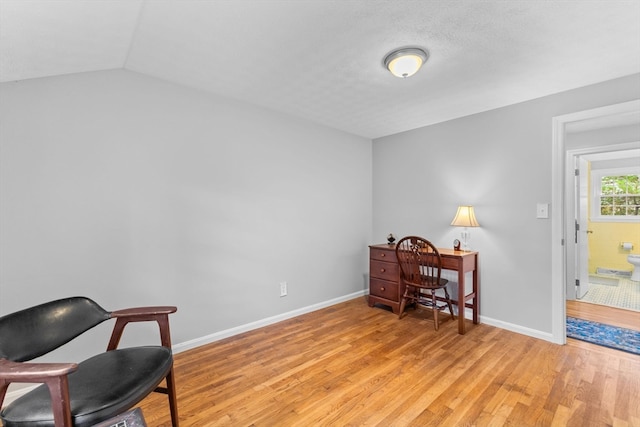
x: 601, y: 313
x: 350, y: 364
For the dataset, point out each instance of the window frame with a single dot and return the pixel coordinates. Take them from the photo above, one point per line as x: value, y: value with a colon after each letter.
x: 596, y: 186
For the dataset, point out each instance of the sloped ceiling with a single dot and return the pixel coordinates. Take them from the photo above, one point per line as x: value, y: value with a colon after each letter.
x: 322, y: 59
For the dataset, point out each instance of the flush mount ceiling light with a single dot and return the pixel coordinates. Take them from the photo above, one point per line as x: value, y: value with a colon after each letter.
x: 405, y: 62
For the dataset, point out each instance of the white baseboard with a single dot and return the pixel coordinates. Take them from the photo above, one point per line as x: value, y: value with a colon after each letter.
x: 188, y: 345
x: 547, y: 336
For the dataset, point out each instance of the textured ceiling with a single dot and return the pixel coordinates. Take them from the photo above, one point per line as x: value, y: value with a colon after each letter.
x: 322, y: 59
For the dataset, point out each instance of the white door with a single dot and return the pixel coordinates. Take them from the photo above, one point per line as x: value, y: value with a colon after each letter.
x: 581, y: 232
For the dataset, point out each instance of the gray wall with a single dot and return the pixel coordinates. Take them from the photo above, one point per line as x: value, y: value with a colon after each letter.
x: 134, y: 191
x: 500, y: 162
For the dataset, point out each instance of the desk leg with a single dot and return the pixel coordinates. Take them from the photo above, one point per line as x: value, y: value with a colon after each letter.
x: 461, y: 300
x: 476, y: 296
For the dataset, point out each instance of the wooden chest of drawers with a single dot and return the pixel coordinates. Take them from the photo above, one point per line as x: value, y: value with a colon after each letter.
x: 384, y: 276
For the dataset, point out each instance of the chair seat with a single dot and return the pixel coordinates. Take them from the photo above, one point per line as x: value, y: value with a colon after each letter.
x: 430, y: 282
x: 103, y: 386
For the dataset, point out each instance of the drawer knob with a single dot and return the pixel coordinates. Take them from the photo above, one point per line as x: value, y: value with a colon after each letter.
x: 382, y: 270
x: 382, y: 288
x: 382, y: 255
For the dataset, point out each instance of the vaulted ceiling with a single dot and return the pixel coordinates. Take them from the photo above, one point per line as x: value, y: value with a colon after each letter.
x: 322, y: 60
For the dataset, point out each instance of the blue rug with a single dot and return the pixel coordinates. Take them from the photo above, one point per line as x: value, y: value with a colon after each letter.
x: 609, y: 336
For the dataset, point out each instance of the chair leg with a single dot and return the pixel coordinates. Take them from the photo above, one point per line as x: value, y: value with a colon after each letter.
x: 435, y: 310
x: 406, y: 298
x: 173, y: 401
x: 446, y: 294
x: 403, y: 303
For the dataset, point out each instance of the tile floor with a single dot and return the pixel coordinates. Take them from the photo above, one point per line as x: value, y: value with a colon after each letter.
x: 626, y: 294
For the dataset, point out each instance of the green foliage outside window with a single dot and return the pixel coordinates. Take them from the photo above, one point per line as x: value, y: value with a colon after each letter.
x: 620, y: 195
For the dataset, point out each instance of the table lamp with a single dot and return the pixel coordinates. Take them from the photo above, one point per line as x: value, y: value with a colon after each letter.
x: 465, y: 217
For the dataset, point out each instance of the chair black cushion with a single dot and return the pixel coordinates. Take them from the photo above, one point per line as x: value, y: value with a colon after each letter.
x: 36, y: 331
x: 126, y: 377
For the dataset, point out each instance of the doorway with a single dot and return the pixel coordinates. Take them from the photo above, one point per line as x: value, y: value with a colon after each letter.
x: 561, y: 232
x: 603, y: 278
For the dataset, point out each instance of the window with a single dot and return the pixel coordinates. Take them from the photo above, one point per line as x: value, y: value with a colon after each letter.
x: 616, y: 195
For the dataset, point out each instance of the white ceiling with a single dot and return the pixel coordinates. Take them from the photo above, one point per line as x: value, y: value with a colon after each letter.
x: 322, y: 59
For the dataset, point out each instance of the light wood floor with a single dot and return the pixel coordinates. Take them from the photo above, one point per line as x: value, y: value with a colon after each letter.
x: 352, y: 365
x: 600, y: 313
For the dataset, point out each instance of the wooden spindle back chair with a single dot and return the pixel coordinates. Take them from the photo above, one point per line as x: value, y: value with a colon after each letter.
x: 420, y: 273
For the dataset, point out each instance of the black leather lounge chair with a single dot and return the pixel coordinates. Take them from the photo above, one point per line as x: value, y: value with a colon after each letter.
x: 88, y: 392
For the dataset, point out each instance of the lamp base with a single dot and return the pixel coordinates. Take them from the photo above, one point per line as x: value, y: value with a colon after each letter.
x: 466, y: 236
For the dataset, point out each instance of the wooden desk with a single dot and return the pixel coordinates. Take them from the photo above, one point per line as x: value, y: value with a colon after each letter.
x: 386, y: 288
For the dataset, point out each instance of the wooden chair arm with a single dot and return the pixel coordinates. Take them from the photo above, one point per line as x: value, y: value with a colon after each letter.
x: 159, y: 314
x: 54, y: 375
x: 33, y: 372
x: 143, y: 312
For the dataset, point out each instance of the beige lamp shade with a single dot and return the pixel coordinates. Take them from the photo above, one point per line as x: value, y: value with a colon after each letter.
x: 465, y: 217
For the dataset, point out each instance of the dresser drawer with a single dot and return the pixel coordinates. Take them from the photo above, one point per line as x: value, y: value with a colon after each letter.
x: 383, y: 254
x: 383, y: 289
x: 383, y: 270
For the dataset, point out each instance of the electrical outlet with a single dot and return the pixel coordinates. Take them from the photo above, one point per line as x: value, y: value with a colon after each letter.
x: 283, y: 289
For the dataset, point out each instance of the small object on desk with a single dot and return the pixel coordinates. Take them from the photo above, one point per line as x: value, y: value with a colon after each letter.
x: 391, y: 239
x: 456, y: 245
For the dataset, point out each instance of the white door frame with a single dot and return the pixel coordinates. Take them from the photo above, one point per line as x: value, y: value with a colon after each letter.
x: 577, y: 201
x: 558, y: 229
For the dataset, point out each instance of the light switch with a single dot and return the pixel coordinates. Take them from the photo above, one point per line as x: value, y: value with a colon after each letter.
x: 542, y: 210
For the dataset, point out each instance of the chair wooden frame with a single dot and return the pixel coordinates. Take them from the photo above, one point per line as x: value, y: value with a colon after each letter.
x: 14, y: 365
x: 420, y: 274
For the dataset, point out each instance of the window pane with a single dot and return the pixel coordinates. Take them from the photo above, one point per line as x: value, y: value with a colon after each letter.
x: 607, y: 186
x: 619, y: 195
x: 619, y: 202
x: 634, y: 185
x: 620, y: 184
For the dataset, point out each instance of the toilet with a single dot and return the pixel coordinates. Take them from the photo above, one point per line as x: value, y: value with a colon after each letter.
x: 635, y: 260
